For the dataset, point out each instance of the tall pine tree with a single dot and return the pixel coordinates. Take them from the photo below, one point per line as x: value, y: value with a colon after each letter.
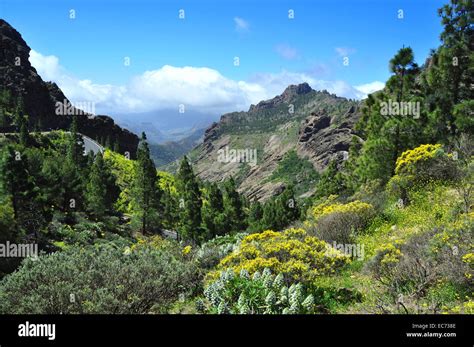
x: 145, y: 193
x: 190, y: 203
x: 213, y: 216
x: 101, y: 190
x: 233, y: 207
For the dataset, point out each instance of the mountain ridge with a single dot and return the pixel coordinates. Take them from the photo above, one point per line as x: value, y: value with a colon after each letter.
x: 20, y: 80
x: 316, y: 125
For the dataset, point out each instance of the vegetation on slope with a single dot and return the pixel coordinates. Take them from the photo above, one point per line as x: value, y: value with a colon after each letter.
x: 389, y: 231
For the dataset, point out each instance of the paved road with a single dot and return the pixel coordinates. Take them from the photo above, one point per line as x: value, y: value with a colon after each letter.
x: 89, y: 144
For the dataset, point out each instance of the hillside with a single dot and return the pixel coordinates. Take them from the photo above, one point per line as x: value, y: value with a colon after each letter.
x: 315, y: 125
x: 307, y: 203
x: 20, y: 83
x: 167, y: 152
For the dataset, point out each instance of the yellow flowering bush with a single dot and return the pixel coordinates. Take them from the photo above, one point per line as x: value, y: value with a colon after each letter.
x: 187, y: 250
x: 465, y: 308
x: 155, y: 242
x: 333, y: 221
x: 426, y: 163
x: 292, y: 253
x: 391, y: 252
x: 356, y: 207
x: 407, y: 162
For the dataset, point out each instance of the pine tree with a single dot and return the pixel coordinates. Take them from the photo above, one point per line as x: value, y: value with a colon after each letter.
x: 287, y: 207
x: 21, y: 121
x: 190, y: 203
x: 75, y: 149
x: 17, y: 185
x: 330, y: 182
x: 24, y: 133
x: 108, y: 142
x: 233, y: 207
x: 387, y: 134
x: 101, y: 191
x: 213, y: 217
x: 269, y: 220
x: 145, y: 191
x: 116, y: 147
x: 255, y: 216
x: 403, y: 65
x: 449, y: 77
x: 3, y: 118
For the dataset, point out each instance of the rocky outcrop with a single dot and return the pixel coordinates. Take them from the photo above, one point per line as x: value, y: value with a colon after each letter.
x: 40, y: 98
x: 318, y: 131
x: 289, y: 94
x: 322, y: 140
x: 312, y: 125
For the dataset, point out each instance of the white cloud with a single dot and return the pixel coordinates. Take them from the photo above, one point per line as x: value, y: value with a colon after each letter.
x: 286, y: 51
x: 241, y: 24
x: 76, y: 90
x: 344, y: 51
x: 199, y: 88
x: 371, y: 87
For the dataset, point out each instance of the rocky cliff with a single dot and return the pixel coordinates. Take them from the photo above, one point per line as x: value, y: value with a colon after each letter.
x: 317, y: 125
x: 40, y: 98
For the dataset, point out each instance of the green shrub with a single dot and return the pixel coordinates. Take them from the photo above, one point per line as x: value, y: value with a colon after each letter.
x: 211, y: 252
x: 99, y: 279
x: 415, y: 268
x: 336, y: 222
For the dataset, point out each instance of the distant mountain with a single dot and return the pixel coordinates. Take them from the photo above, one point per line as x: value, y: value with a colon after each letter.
x: 295, y: 136
x: 20, y: 80
x: 166, y: 153
x: 166, y: 125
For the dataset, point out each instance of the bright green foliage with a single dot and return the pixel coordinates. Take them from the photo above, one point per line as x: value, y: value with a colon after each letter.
x: 123, y: 170
x: 169, y: 200
x: 330, y: 182
x: 295, y: 171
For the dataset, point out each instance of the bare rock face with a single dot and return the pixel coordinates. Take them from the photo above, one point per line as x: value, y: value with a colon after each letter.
x: 318, y: 131
x: 40, y: 98
x: 320, y: 140
x: 312, y: 125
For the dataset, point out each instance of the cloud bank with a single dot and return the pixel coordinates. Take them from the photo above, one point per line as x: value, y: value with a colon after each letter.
x: 199, y: 88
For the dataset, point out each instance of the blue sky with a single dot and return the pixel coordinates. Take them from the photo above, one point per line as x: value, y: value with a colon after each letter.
x: 273, y: 49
